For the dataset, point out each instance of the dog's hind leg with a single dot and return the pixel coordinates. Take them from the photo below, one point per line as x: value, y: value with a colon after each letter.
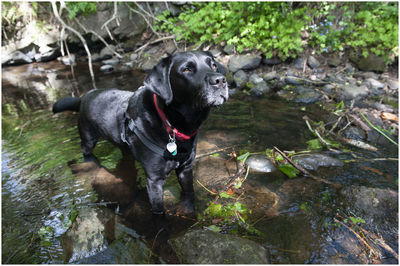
x: 89, y: 138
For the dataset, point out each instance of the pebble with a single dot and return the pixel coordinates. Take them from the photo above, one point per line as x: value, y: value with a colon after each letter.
x: 107, y: 68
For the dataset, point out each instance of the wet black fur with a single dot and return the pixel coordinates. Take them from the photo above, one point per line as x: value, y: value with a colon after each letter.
x: 187, y: 86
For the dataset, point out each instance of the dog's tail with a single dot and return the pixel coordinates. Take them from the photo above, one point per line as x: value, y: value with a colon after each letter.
x: 67, y: 104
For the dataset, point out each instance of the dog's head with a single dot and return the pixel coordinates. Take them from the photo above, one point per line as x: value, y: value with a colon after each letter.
x: 193, y: 78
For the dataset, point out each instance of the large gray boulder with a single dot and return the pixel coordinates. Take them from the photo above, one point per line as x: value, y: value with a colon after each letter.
x: 244, y: 62
x: 207, y: 247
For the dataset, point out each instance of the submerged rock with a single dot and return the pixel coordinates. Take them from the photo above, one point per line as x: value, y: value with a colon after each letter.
x: 260, y: 163
x: 207, y: 247
x: 315, y: 160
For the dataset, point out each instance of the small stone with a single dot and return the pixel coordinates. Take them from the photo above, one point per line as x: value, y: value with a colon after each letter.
x: 67, y: 60
x: 393, y: 84
x: 229, y: 49
x: 107, y: 68
x: 215, y: 52
x: 107, y: 52
x: 354, y: 133
x: 299, y: 63
x: 112, y: 61
x: 240, y: 78
x: 349, y: 68
x: 373, y: 84
x: 133, y: 57
x: 293, y: 80
x: 334, y: 61
x: 255, y: 78
x: 260, y: 163
x: 313, y: 62
x: 270, y: 76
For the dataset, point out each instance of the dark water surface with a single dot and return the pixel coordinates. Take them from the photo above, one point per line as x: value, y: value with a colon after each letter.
x: 42, y: 195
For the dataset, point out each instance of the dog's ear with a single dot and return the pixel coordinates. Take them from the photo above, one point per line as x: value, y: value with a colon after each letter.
x: 221, y: 68
x: 158, y: 80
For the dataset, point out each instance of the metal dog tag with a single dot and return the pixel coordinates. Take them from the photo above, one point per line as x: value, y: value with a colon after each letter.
x: 171, y: 147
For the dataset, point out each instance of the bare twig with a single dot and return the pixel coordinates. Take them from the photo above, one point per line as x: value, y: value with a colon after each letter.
x: 114, y: 17
x: 56, y: 14
x: 98, y: 36
x: 357, y: 235
x: 155, y: 41
x: 144, y: 17
x: 304, y: 171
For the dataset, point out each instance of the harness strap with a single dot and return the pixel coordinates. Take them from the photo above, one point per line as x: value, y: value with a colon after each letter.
x: 145, y: 140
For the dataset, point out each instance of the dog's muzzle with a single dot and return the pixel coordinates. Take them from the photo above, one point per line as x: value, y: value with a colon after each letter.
x: 217, y: 89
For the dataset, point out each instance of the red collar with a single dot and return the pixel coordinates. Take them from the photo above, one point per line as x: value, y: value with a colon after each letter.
x: 178, y: 135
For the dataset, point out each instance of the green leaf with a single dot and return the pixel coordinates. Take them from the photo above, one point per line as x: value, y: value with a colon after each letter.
x: 223, y: 194
x: 214, y: 228
x: 288, y: 170
x: 356, y: 220
x: 243, y: 157
x: 314, y: 144
x: 215, y: 154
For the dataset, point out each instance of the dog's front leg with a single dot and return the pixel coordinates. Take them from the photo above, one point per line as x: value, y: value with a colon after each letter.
x: 155, y: 185
x: 185, y: 177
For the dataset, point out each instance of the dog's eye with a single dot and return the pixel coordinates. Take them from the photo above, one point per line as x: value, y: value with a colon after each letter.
x: 187, y: 70
x: 214, y: 66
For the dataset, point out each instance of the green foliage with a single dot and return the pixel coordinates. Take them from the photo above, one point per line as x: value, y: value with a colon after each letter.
x: 272, y: 28
x: 288, y: 170
x: 366, y: 27
x: 275, y: 28
x: 80, y: 8
x: 314, y: 144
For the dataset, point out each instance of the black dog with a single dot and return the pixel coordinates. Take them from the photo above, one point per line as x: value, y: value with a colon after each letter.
x: 159, y: 122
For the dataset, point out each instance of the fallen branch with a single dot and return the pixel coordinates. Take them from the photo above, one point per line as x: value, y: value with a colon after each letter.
x: 304, y: 171
x: 379, y: 131
x: 56, y: 14
x: 357, y: 235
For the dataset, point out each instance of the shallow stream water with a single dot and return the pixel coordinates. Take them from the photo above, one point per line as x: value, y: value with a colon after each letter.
x: 42, y: 192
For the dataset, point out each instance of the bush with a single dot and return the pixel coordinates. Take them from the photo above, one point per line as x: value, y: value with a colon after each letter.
x: 276, y: 28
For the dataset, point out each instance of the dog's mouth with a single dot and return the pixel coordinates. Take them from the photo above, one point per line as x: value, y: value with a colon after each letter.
x: 213, y: 98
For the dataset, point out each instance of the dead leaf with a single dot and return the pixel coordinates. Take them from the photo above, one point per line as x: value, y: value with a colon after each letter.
x: 217, y: 220
x: 230, y: 192
x: 389, y: 116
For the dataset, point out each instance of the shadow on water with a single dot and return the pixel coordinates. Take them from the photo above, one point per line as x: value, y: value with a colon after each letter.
x: 57, y: 209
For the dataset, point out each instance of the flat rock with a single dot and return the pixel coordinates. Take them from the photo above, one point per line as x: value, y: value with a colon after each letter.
x: 107, y: 68
x: 374, y: 84
x: 291, y: 80
x: 207, y: 247
x: 315, y: 160
x: 244, y: 62
x: 299, y: 63
x: 112, y: 61
x: 349, y: 92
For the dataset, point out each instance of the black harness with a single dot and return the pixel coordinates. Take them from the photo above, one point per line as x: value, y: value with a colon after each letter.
x: 184, y: 148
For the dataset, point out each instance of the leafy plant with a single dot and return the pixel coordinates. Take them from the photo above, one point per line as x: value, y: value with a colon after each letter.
x: 276, y: 28
x: 80, y: 8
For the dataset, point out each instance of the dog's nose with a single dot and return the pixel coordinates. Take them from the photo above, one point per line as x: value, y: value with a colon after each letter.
x: 217, y: 80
